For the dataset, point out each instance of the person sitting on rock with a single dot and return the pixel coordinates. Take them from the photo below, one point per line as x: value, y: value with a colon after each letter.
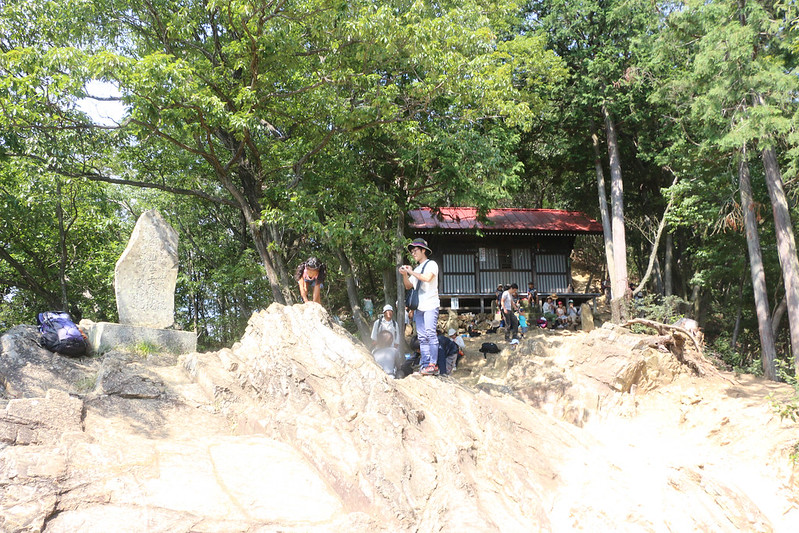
x: 472, y: 330
x: 548, y: 307
x: 387, y: 356
x: 573, y: 315
x: 457, y: 339
x: 447, y: 354
x: 561, y: 319
x: 532, y: 296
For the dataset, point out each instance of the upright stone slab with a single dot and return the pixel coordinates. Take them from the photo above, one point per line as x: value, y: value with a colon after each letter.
x: 586, y: 317
x: 146, y: 273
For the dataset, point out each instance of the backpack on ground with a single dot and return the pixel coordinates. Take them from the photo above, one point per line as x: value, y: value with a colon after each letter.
x: 489, y: 347
x: 60, y: 334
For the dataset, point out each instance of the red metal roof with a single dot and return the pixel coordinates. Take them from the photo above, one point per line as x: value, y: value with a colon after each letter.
x: 539, y: 220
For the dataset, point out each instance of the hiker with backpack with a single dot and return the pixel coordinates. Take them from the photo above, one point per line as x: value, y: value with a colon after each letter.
x: 424, y: 281
x: 310, y: 277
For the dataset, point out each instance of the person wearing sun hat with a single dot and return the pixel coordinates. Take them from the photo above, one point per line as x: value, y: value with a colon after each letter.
x: 425, y: 277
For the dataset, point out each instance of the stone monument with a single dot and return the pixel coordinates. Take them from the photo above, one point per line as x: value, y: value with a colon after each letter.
x: 144, y: 284
x: 146, y: 273
x: 586, y: 317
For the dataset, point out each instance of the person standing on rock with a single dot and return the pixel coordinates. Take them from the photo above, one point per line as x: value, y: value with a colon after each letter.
x: 509, y: 307
x: 425, y: 278
x: 310, y: 277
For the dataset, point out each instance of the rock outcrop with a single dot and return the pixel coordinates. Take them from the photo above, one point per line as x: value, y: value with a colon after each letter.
x: 295, y: 428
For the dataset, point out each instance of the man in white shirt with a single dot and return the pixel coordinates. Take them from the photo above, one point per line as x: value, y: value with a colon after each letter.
x: 424, y: 278
x: 509, y: 307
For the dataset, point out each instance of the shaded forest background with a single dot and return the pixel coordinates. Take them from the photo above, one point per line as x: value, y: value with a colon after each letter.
x: 266, y: 132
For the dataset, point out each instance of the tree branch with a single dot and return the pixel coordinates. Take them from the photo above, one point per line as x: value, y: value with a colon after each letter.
x: 147, y: 185
x: 656, y: 244
x: 32, y: 284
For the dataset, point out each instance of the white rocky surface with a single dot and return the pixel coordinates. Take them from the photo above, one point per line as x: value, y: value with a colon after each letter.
x: 146, y: 273
x: 296, y: 429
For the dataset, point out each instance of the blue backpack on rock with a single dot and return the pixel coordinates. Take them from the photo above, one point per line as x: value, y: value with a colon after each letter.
x: 60, y: 334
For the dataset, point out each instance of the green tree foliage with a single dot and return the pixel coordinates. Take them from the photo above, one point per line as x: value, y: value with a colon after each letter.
x: 282, y: 110
x: 726, y: 69
x: 45, y: 265
x: 255, y: 92
x: 310, y: 127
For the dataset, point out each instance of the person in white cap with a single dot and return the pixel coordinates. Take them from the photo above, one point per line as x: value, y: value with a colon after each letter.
x: 386, y: 323
x: 452, y: 333
x: 457, y: 339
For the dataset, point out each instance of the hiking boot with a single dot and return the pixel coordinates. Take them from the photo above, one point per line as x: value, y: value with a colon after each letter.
x: 430, y: 370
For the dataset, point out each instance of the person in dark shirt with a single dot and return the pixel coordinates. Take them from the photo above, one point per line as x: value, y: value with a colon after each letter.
x: 447, y: 354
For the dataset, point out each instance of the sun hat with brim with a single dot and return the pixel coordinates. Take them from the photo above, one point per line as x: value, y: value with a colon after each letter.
x: 388, y: 307
x: 419, y: 243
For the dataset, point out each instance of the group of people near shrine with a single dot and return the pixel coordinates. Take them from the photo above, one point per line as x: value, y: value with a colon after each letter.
x: 423, y: 278
x: 434, y: 352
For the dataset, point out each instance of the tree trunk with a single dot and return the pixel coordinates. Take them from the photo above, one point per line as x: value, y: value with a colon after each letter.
x: 262, y: 247
x: 776, y: 317
x: 364, y: 329
x: 786, y: 244
x: 388, y: 288
x: 668, y: 260
x: 62, y: 248
x: 248, y: 203
x: 588, y: 283
x: 658, y: 277
x: 286, y: 279
x: 400, y: 314
x: 738, y: 314
x: 768, y: 349
x: 656, y: 244
x: 620, y: 285
x: 696, y: 299
x: 607, y: 234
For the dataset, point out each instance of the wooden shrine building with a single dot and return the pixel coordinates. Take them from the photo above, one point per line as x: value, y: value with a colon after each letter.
x: 511, y: 246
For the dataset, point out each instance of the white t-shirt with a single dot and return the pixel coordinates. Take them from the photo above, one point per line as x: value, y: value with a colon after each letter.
x: 428, y: 291
x: 507, y: 302
x: 457, y: 339
x: 389, y: 360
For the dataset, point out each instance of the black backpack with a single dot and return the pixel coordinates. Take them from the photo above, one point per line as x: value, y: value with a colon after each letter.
x: 489, y: 347
x: 60, y: 334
